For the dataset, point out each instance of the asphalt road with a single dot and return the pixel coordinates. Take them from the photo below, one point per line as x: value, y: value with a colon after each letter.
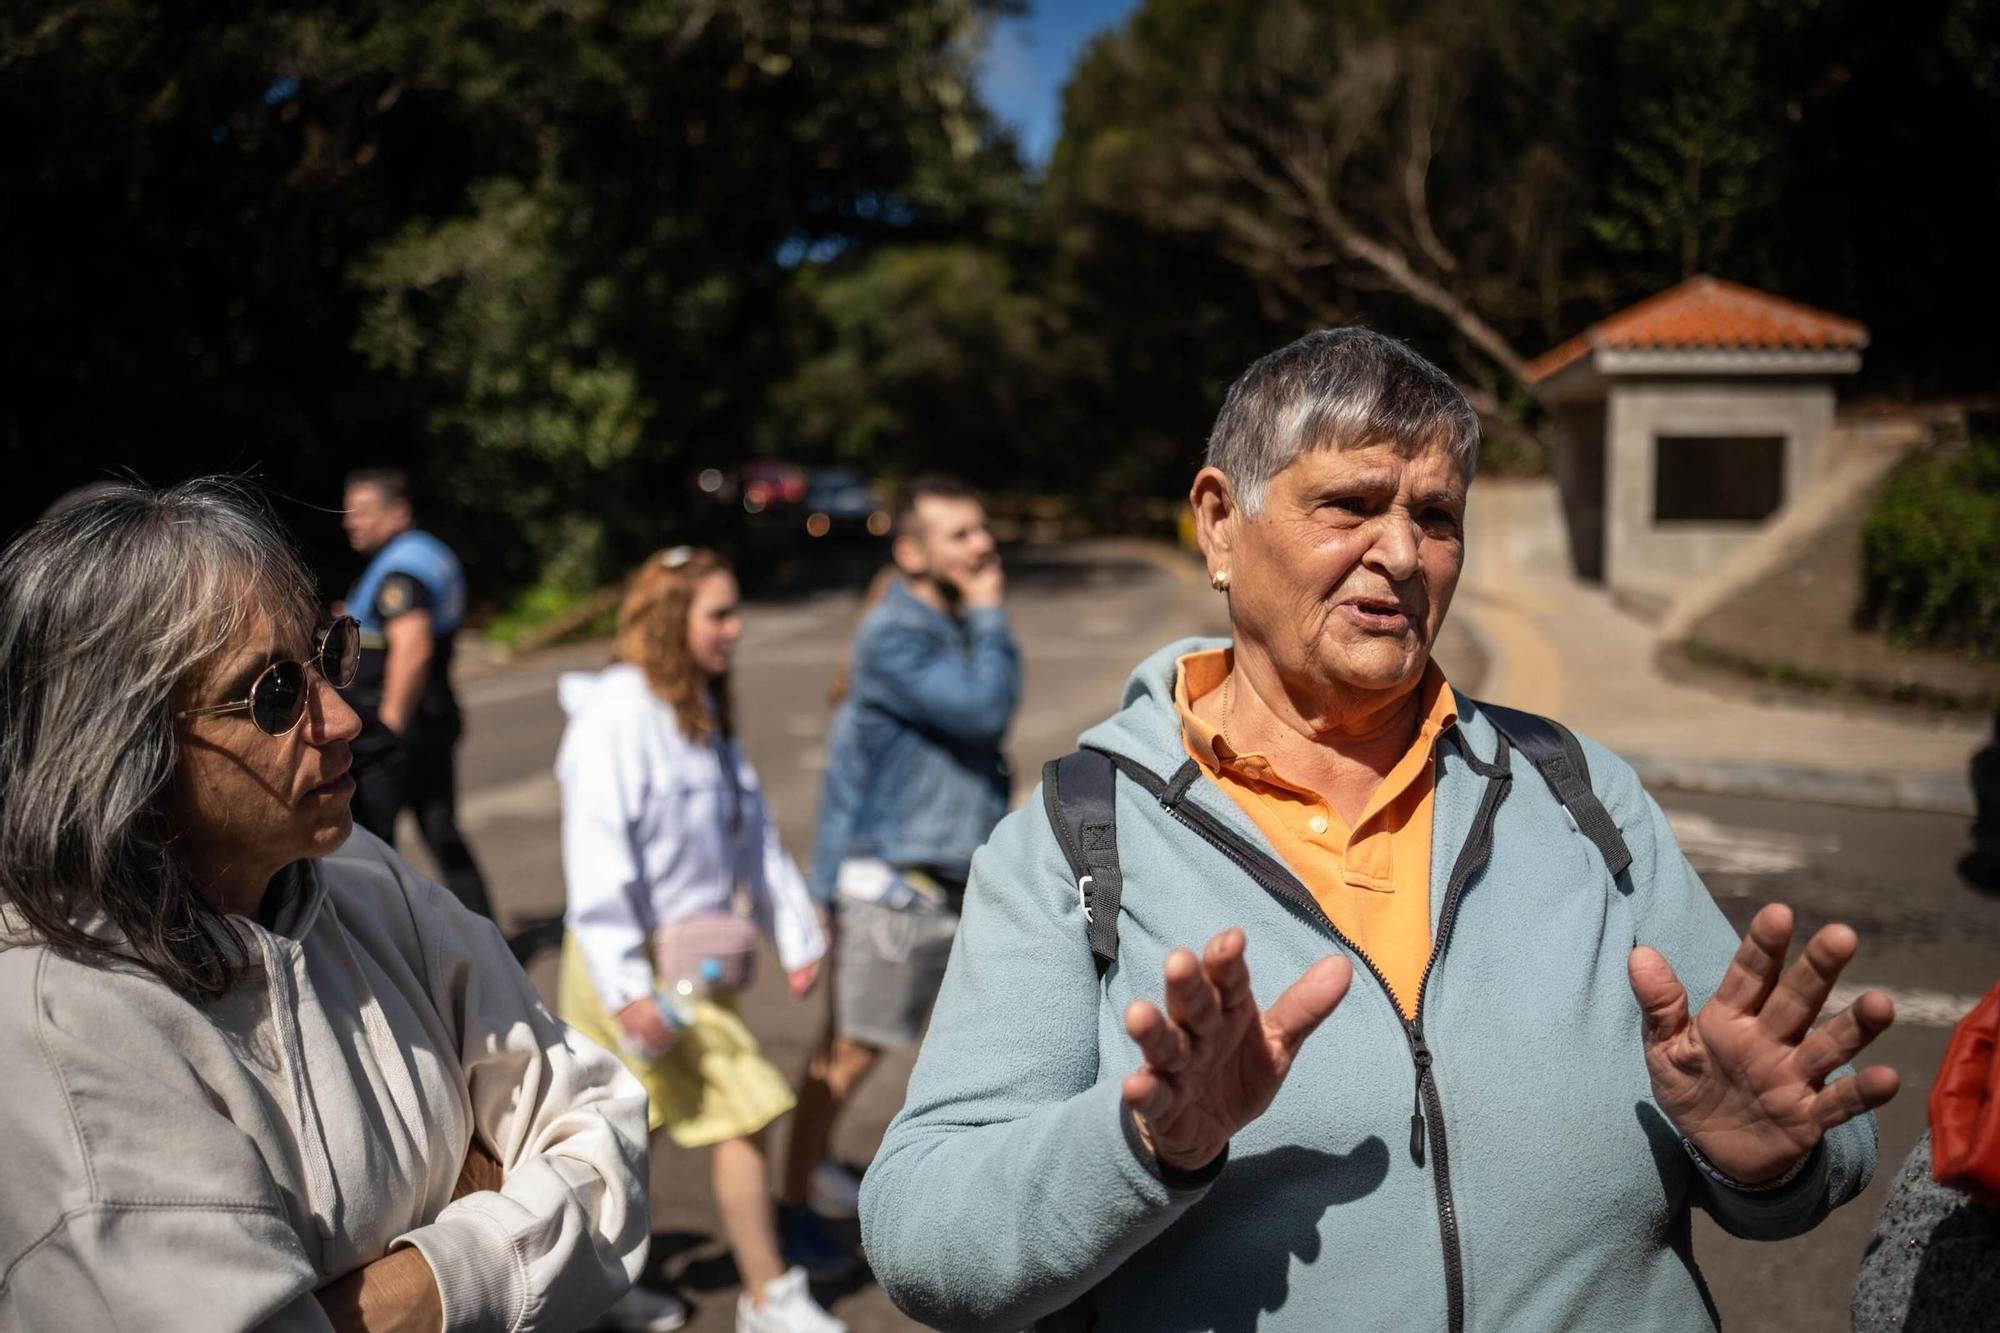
x: 1084, y: 615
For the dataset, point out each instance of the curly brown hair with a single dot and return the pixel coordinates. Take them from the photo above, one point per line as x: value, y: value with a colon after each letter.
x: 653, y: 636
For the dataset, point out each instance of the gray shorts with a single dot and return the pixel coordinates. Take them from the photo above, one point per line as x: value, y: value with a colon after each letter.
x: 887, y: 970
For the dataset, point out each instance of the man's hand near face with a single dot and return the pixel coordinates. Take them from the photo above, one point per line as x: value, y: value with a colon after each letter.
x: 984, y: 584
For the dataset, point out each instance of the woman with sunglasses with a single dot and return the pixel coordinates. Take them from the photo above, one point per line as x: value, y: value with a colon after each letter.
x: 666, y: 839
x: 259, y: 1072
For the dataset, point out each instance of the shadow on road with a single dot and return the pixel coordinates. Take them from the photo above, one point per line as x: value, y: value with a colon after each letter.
x: 696, y: 1263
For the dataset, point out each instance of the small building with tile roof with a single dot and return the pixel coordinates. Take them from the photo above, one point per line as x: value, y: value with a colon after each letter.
x: 1685, y: 422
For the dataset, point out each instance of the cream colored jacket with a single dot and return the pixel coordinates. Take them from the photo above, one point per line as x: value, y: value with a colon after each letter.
x: 165, y: 1166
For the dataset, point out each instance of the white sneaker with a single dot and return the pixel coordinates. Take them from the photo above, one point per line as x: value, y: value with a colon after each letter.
x: 644, y: 1310
x: 835, y: 1191
x: 788, y: 1308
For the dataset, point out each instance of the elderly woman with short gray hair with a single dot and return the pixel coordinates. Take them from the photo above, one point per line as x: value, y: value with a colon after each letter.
x: 1465, y: 1037
x: 260, y: 1074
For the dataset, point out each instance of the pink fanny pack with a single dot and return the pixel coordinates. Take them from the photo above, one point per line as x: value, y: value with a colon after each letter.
x: 730, y: 941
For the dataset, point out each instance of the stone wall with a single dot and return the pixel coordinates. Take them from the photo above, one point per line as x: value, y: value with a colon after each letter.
x: 1645, y: 557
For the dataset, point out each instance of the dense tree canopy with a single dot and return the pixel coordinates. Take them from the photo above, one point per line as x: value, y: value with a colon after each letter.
x: 1487, y: 178
x: 543, y: 251
x: 556, y: 255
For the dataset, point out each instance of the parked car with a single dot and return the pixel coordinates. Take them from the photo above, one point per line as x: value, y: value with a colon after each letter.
x: 840, y: 502
x: 768, y: 484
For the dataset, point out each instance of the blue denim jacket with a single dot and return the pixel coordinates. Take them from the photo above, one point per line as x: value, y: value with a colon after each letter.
x: 914, y: 773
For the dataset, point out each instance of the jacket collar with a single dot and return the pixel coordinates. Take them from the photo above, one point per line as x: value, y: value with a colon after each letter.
x: 1148, y: 729
x: 905, y: 605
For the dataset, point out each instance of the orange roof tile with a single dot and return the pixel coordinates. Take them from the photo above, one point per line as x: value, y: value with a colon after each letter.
x: 1707, y: 314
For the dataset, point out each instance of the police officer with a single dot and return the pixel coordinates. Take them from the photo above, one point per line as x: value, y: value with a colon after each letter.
x: 410, y: 602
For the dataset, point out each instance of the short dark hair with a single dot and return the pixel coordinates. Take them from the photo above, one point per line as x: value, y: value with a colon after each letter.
x: 393, y: 482
x: 924, y: 486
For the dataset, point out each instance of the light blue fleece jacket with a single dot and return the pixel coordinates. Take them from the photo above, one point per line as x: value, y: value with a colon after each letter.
x: 1009, y: 1186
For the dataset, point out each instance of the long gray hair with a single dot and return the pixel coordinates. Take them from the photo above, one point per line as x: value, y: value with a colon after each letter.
x: 108, y: 606
x: 1332, y: 389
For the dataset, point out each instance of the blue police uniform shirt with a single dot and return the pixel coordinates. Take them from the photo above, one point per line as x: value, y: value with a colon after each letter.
x: 413, y: 572
x: 429, y: 564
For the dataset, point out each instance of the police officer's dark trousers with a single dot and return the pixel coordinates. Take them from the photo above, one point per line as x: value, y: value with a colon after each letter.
x: 418, y: 770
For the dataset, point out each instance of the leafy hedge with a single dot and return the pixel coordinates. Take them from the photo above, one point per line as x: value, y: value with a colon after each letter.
x: 548, y: 610
x: 1930, y: 551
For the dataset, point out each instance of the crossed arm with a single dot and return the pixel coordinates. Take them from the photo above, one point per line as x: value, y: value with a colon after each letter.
x: 398, y: 1293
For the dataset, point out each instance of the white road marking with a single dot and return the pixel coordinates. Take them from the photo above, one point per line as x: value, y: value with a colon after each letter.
x: 535, y: 796
x: 1914, y: 1008
x: 1717, y: 848
x: 763, y: 626
x: 500, y: 689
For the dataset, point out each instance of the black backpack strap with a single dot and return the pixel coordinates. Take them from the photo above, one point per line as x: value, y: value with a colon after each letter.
x: 1558, y: 756
x: 1080, y: 793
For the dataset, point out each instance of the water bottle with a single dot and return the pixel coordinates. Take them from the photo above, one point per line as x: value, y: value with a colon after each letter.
x: 677, y: 1001
x: 679, y: 998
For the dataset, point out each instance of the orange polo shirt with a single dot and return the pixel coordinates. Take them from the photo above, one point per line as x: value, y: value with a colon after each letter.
x: 1373, y: 881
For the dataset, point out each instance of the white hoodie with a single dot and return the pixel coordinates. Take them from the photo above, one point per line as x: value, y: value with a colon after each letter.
x: 168, y: 1166
x: 647, y: 834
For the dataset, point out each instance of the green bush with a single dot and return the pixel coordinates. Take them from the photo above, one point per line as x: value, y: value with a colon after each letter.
x: 1930, y: 551
x: 542, y: 603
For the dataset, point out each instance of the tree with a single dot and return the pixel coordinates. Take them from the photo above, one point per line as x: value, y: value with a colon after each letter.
x: 1339, y: 155
x: 544, y: 253
x: 1488, y: 178
x: 936, y: 351
x: 1694, y: 172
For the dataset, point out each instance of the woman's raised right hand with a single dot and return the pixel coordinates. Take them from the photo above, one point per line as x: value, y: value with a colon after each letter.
x: 1213, y: 1063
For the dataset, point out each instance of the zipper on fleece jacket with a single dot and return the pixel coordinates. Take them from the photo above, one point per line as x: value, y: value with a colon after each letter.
x: 1278, y: 880
x: 1471, y: 856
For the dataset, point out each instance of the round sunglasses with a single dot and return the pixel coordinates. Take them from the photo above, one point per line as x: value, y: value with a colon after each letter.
x: 278, y: 696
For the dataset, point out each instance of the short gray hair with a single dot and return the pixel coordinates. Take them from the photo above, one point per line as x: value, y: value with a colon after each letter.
x: 108, y: 606
x: 1332, y: 389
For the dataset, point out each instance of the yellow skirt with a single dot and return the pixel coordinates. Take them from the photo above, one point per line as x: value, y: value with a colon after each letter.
x: 713, y: 1084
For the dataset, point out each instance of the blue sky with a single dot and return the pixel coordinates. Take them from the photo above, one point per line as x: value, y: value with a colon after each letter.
x: 1029, y: 58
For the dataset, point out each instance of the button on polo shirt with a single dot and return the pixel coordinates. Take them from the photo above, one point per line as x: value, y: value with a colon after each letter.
x: 1373, y: 881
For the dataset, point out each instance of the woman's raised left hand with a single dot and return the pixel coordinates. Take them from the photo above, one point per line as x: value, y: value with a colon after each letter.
x: 1744, y: 1080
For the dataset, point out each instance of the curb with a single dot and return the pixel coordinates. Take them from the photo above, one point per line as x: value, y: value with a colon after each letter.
x: 1926, y: 793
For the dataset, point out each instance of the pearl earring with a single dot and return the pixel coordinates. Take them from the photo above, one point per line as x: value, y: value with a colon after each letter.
x: 1219, y: 580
